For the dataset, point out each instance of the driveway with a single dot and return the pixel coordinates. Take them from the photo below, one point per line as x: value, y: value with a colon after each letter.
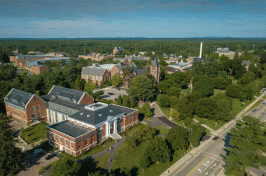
x: 33, y: 166
x: 15, y: 125
x: 113, y: 93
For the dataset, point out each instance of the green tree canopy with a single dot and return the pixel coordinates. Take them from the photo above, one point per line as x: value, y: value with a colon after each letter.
x: 205, y: 86
x: 116, y: 80
x: 177, y: 137
x: 67, y: 167
x: 164, y: 100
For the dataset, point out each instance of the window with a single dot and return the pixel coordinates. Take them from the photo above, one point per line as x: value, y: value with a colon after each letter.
x: 33, y: 107
x: 51, y: 143
x: 49, y: 135
x: 72, y: 153
x: 79, y: 146
x: 54, y: 137
x: 72, y: 145
x: 65, y: 142
x: 87, y: 148
x: 66, y: 150
x: 60, y: 140
x: 39, y: 115
x: 39, y: 107
x: 55, y: 144
x: 85, y: 141
x: 56, y: 117
x: 24, y: 116
x: 33, y: 116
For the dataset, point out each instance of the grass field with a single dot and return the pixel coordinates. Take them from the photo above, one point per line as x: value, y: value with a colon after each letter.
x: 129, y: 159
x: 210, y: 123
x: 255, y: 105
x: 102, y: 160
x: 166, y: 111
x: 238, y: 106
x: 185, y: 90
x: 35, y: 133
x: 162, y: 130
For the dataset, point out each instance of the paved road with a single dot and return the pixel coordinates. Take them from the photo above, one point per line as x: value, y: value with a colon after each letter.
x: 207, y: 159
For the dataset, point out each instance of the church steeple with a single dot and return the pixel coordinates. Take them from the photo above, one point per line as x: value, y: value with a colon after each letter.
x: 155, y: 70
x: 155, y: 63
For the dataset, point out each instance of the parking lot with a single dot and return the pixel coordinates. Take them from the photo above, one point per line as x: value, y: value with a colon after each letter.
x: 33, y: 164
x: 113, y: 93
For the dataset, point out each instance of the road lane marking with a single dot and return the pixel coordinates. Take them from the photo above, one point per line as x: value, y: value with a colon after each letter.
x: 216, y: 169
x: 209, y: 165
x: 189, y: 161
x: 260, y: 112
x: 193, y: 170
x: 262, y: 169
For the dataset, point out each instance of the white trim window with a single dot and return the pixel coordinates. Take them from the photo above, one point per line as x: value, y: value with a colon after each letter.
x: 54, y: 137
x: 60, y: 139
x: 72, y: 153
x: 72, y: 145
x: 66, y: 150
x: 39, y: 107
x: 65, y: 142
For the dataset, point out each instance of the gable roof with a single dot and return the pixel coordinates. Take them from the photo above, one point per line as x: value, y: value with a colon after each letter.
x: 18, y: 97
x: 155, y: 63
x: 122, y: 66
x: 65, y: 94
x: 96, y: 71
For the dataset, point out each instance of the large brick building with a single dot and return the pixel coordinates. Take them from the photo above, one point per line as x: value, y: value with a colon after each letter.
x: 83, y: 130
x: 21, y: 60
x: 25, y: 106
x: 37, y: 69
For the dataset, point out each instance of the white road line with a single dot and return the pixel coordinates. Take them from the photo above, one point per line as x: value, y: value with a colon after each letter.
x: 189, y: 162
x: 208, y: 166
x: 211, y: 154
x: 216, y: 169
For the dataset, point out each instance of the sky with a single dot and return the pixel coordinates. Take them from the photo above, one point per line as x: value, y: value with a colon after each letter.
x: 132, y: 18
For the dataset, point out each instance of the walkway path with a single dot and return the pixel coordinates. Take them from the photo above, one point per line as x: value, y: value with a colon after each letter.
x: 205, y: 126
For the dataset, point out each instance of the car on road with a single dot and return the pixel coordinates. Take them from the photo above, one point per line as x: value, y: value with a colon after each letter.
x: 50, y: 156
x: 110, y: 93
x: 263, y: 112
x: 264, y: 102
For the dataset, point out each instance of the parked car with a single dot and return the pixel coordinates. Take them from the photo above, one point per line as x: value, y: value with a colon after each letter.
x: 50, y: 156
x: 263, y: 112
x: 264, y: 102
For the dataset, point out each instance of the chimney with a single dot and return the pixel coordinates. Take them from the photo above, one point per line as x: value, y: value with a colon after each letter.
x: 200, y: 55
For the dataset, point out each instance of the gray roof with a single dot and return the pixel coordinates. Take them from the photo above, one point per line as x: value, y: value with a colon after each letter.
x: 155, y: 62
x: 139, y: 71
x: 70, y: 129
x: 65, y: 94
x: 32, y: 56
x: 122, y: 66
x: 101, y: 115
x: 18, y: 97
x: 96, y: 71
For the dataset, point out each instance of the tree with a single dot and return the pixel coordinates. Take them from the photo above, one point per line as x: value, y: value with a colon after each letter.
x: 11, y: 157
x: 79, y: 84
x: 144, y: 161
x: 247, y: 77
x: 234, y: 91
x: 206, y: 108
x: 142, y: 88
x: 163, y: 100
x: 67, y: 166
x: 223, y: 110
x: 97, y: 94
x: 196, y: 133
x: 247, y: 141
x: 146, y: 110
x: 174, y: 114
x: 173, y: 91
x: 124, y: 98
x: 132, y: 102
x: 116, y: 80
x: 89, y: 87
x: 119, y: 100
x: 205, y: 86
x: 177, y: 137
x: 163, y: 63
x: 4, y: 58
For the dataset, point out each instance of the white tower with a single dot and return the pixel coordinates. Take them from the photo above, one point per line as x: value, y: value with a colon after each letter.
x: 200, y: 54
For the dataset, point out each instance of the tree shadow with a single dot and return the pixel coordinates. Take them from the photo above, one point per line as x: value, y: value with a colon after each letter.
x: 90, y: 166
x: 124, y: 171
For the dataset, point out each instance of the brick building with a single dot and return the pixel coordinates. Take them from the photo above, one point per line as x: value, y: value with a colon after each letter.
x: 62, y: 102
x: 96, y: 56
x: 37, y: 69
x: 95, y: 73
x: 118, y: 50
x: 83, y: 130
x: 155, y: 70
x: 21, y: 60
x: 25, y: 106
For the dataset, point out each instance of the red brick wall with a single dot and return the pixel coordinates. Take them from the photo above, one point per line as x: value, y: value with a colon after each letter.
x: 9, y: 111
x: 86, y: 99
x: 29, y: 109
x: 37, y: 70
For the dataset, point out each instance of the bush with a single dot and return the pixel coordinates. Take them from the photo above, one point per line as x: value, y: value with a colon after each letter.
x: 164, y: 100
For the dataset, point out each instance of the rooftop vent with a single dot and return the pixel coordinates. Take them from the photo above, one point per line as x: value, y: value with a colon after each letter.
x: 111, y: 110
x: 81, y: 113
x: 88, y: 115
x: 100, y: 115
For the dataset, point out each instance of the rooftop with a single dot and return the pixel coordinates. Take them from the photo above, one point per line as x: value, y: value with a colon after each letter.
x: 69, y: 128
x: 18, y: 97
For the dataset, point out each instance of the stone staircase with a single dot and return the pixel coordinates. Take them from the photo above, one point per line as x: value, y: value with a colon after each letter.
x: 115, y: 136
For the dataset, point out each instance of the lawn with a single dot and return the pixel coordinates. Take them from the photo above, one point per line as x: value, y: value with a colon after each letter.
x: 218, y: 91
x: 183, y: 91
x: 35, y: 133
x: 129, y: 158
x: 264, y: 97
x: 166, y: 111
x: 162, y: 130
x: 238, y: 106
x: 255, y: 105
x: 96, y: 149
x: 210, y: 123
x: 102, y: 161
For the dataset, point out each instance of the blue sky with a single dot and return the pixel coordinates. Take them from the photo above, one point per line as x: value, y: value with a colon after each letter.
x: 132, y: 18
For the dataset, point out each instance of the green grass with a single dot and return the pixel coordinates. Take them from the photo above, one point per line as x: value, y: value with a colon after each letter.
x: 238, y: 106
x: 96, y: 149
x: 162, y: 130
x: 219, y: 91
x: 35, y: 133
x: 166, y: 111
x: 210, y: 123
x: 255, y: 105
x: 129, y: 158
x: 264, y: 97
x: 102, y: 160
x: 183, y: 91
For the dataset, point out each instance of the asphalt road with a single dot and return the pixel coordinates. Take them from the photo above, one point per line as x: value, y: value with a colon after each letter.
x: 209, y: 160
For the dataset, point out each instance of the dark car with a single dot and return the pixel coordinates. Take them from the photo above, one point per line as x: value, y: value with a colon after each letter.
x: 50, y: 156
x: 110, y: 93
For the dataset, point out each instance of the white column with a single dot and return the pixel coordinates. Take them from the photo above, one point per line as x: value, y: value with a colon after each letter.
x: 115, y: 124
x: 107, y: 130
